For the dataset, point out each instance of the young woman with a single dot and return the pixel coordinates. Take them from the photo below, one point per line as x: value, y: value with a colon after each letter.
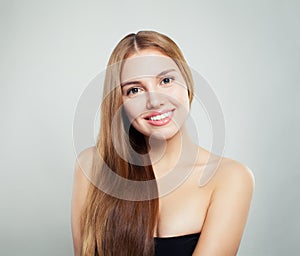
x: 137, y: 192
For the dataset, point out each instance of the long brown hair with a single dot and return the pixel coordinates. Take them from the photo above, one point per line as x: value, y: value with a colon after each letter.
x: 110, y: 225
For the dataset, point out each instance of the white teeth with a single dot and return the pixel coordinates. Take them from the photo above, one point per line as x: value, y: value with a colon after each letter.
x: 160, y: 117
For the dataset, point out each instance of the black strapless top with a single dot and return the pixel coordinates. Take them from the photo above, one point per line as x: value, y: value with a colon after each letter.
x: 176, y: 246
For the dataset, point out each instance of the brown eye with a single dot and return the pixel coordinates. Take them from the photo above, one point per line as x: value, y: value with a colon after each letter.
x: 133, y: 90
x: 167, y: 80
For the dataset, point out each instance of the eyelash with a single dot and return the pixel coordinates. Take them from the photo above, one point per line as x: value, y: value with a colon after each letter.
x: 131, y: 89
x: 171, y: 78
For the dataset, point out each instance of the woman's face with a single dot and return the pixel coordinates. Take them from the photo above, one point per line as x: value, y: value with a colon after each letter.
x: 154, y: 94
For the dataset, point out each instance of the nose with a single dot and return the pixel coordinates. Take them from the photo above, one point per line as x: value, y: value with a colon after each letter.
x: 154, y: 100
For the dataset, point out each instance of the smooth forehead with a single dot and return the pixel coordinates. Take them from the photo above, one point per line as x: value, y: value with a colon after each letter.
x: 146, y: 63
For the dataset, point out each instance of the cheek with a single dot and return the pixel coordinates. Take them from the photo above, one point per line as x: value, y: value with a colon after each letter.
x: 133, y: 108
x: 180, y: 96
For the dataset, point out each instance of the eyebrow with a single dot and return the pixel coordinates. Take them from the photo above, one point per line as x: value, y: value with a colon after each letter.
x: 159, y: 75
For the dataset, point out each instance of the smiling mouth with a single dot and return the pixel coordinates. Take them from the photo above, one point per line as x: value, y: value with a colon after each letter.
x: 159, y: 119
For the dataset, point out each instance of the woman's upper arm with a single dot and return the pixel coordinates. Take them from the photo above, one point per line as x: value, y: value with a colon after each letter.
x: 80, y: 189
x: 227, y: 213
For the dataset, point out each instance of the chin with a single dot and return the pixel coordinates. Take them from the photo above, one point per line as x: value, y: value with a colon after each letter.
x: 165, y: 132
x: 162, y: 135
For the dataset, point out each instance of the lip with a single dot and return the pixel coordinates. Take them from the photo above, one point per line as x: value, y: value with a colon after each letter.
x: 160, y: 122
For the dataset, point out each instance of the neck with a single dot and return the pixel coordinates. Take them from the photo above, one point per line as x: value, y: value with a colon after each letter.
x: 166, y: 154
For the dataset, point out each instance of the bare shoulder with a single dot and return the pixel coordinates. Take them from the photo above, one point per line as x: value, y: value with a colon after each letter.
x: 231, y: 187
x: 82, y: 172
x: 233, y: 171
x: 81, y: 184
x: 84, y: 161
x: 85, y: 157
x: 218, y: 171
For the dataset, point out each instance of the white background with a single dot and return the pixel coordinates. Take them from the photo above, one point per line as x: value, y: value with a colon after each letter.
x: 50, y: 50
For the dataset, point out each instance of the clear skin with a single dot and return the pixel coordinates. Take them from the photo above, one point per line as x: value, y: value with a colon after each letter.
x: 219, y: 209
x: 147, y: 91
x: 151, y: 85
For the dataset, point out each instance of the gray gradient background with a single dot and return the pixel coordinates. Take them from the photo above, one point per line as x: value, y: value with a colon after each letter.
x: 50, y: 50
